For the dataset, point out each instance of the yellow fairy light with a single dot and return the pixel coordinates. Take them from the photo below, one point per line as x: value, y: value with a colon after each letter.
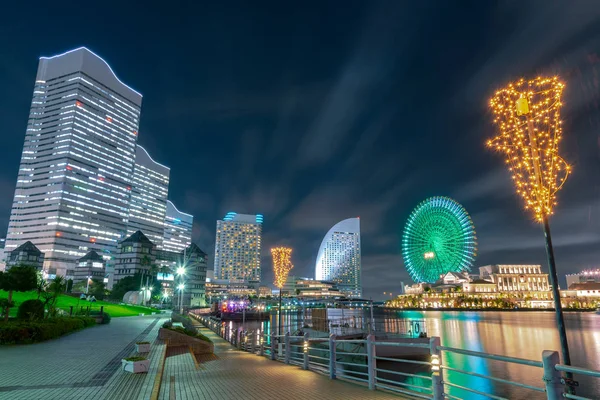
x: 282, y: 264
x: 527, y: 114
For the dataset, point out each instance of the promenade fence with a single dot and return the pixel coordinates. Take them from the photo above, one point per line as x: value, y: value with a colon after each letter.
x: 358, y: 360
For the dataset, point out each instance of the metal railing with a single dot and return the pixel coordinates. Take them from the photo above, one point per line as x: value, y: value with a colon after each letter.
x: 364, y: 361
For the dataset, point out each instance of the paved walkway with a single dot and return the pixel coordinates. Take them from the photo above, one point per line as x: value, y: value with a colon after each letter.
x: 232, y: 375
x: 83, y: 365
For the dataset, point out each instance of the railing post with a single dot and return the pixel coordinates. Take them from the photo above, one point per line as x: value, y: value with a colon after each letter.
x: 437, y: 379
x: 261, y: 342
x: 253, y: 343
x: 552, y: 378
x: 287, y: 348
x: 332, y: 357
x: 238, y: 339
x: 371, y: 364
x: 305, y: 347
x: 273, y: 344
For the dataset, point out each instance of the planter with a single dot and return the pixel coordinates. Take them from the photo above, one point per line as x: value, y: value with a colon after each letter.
x: 135, y: 367
x: 142, y: 347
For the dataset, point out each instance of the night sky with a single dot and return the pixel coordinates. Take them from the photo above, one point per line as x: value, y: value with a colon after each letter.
x: 320, y: 111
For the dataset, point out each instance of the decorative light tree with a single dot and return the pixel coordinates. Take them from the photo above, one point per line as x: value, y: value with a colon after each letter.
x: 527, y: 114
x: 282, y: 265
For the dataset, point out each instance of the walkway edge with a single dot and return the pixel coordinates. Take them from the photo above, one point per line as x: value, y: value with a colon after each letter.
x: 159, y: 373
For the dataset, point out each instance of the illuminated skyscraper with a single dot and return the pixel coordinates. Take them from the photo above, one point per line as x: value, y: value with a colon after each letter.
x: 178, y: 229
x: 148, y: 206
x: 237, y: 248
x: 338, y: 259
x: 76, y: 173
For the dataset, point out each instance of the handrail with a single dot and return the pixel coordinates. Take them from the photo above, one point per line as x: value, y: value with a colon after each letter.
x: 496, y: 357
x: 577, y: 370
x: 523, y: 385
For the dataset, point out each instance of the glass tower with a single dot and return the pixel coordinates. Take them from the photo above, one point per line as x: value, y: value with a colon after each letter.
x: 338, y: 259
x: 237, y: 248
x: 77, y: 166
x: 148, y: 206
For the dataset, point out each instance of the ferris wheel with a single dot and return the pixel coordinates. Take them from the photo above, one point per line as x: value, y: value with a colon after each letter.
x: 439, y: 237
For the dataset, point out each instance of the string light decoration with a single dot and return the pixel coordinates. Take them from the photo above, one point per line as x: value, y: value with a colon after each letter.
x: 527, y: 114
x: 282, y: 264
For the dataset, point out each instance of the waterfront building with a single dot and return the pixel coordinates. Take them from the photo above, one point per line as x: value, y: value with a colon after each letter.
x: 177, y: 229
x: 148, y: 204
x: 308, y: 289
x: 264, y: 291
x: 237, y: 247
x: 586, y: 289
x: 590, y: 275
x: 26, y: 254
x: 222, y: 289
x: 91, y: 266
x: 516, y: 278
x: 75, y: 177
x: 339, y: 257
x: 135, y: 254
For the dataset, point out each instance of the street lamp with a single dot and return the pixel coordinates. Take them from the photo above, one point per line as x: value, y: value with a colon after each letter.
x: 527, y: 114
x: 181, y: 287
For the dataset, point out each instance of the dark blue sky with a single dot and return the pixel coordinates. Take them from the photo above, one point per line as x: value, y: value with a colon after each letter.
x: 320, y: 111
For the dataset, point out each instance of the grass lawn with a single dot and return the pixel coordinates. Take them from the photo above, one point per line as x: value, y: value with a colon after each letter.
x: 65, y: 302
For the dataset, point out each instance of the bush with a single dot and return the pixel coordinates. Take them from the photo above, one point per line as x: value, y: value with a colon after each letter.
x: 168, y: 324
x: 32, y: 310
x: 22, y: 332
x: 135, y: 358
x: 190, y: 333
x: 106, y: 317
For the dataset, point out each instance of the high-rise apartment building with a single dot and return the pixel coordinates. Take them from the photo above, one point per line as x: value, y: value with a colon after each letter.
x: 178, y: 229
x: 77, y: 166
x: 149, y: 191
x: 237, y: 248
x: 339, y: 258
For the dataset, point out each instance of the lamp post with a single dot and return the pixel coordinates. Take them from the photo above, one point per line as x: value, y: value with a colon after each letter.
x: 527, y: 114
x: 181, y: 273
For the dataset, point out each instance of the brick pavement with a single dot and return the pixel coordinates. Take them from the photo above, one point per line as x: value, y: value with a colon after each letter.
x: 232, y: 375
x: 82, y: 365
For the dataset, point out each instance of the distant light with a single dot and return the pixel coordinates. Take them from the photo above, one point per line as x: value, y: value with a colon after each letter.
x: 180, y: 271
x: 181, y: 286
x: 429, y: 255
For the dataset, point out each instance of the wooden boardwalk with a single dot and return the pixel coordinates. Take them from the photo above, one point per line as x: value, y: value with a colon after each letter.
x: 232, y: 374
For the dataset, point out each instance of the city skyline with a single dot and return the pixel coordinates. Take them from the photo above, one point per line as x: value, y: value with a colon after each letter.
x: 368, y: 128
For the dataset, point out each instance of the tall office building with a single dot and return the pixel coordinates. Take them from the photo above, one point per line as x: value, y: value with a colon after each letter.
x: 339, y: 260
x: 76, y: 173
x: 178, y: 229
x: 148, y: 205
x: 237, y: 248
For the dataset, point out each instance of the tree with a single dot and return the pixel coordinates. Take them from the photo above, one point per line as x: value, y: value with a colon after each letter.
x: 52, y: 290
x: 124, y: 285
x: 17, y: 279
x: 97, y: 288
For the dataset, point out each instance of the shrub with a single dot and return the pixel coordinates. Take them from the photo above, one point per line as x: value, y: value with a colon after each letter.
x: 168, y: 324
x: 22, y: 332
x: 190, y: 333
x: 136, y: 358
x: 32, y: 310
x: 106, y: 317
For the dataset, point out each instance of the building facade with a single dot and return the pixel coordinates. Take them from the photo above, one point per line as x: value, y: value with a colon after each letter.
x: 590, y: 275
x: 91, y: 266
x: 135, y: 254
x: 237, y: 248
x: 177, y: 229
x: 26, y: 254
x: 148, y: 204
x: 76, y: 172
x: 195, y: 264
x: 339, y: 257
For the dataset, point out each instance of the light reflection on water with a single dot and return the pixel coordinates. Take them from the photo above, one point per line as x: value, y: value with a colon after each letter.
x: 516, y: 334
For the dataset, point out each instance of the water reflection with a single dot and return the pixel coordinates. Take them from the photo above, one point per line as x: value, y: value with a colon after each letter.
x: 516, y: 334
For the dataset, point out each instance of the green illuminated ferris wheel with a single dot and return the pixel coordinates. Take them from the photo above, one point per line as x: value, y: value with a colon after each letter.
x: 439, y: 237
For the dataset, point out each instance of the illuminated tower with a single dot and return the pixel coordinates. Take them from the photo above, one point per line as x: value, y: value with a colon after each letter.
x: 148, y: 206
x: 74, y: 181
x: 237, y: 248
x: 338, y: 259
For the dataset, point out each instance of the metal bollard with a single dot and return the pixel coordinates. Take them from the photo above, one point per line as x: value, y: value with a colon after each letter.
x: 287, y: 348
x: 305, y: 347
x: 437, y: 379
x: 332, y: 357
x: 552, y: 378
x: 273, y: 344
x: 371, y: 362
